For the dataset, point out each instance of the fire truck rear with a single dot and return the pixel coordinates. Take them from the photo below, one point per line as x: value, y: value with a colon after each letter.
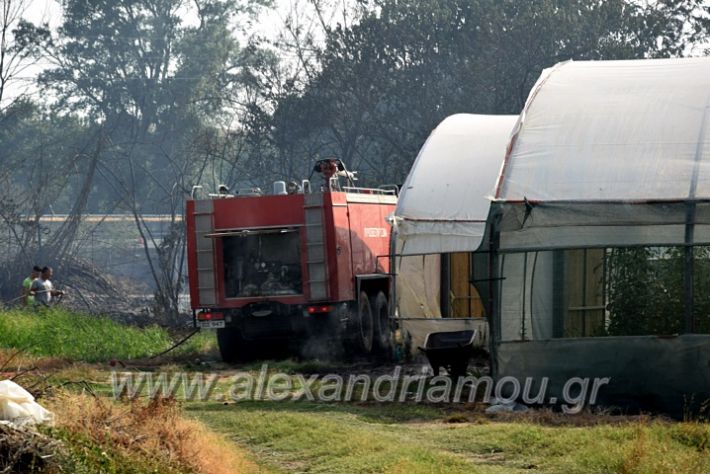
x: 273, y: 270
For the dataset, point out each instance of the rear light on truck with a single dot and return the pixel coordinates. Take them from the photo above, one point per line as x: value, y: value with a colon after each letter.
x: 209, y: 316
x: 319, y: 309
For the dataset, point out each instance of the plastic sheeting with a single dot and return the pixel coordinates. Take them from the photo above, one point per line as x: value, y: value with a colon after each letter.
x: 527, y: 289
x: 653, y: 373
x: 443, y: 208
x: 419, y: 286
x: 614, y: 130
x: 444, y: 201
x: 606, y: 144
x: 18, y: 406
x: 605, y: 154
x: 581, y: 224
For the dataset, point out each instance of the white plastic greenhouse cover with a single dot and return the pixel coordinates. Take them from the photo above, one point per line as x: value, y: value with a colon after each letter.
x: 444, y: 201
x: 604, y: 147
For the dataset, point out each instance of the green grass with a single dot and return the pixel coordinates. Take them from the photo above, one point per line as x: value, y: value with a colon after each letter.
x: 362, y: 437
x: 394, y: 437
x: 80, y: 337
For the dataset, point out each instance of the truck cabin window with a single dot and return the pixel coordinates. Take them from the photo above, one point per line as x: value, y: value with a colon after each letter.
x: 262, y: 263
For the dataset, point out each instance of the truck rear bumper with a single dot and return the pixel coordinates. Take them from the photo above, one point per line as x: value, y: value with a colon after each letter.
x: 271, y: 320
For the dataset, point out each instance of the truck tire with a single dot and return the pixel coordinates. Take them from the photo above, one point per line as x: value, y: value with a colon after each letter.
x: 232, y: 346
x: 365, y: 325
x: 383, y: 332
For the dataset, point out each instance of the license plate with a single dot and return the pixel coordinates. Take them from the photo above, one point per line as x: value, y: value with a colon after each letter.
x: 210, y: 324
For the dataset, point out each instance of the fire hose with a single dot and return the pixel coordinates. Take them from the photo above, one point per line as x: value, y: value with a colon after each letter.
x: 58, y: 297
x: 177, y: 344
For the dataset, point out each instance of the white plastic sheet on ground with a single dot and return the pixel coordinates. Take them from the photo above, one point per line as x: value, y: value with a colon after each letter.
x: 18, y: 406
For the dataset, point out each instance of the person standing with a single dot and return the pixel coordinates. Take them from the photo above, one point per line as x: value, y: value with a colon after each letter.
x: 42, y: 288
x: 27, y: 298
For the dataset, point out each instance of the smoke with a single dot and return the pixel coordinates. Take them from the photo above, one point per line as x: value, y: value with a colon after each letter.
x: 325, y: 347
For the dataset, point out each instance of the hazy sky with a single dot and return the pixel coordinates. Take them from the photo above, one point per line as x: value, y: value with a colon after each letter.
x: 40, y: 11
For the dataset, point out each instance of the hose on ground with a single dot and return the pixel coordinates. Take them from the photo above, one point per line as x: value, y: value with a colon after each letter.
x: 177, y: 344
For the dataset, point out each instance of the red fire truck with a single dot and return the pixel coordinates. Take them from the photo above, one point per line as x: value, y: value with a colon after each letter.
x: 307, y: 260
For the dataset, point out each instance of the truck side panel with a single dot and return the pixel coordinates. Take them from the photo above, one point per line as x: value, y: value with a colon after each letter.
x: 191, y: 253
x: 258, y: 211
x: 339, y: 250
x: 370, y: 232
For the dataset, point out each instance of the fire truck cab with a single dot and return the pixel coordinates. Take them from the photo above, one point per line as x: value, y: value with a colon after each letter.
x: 307, y: 260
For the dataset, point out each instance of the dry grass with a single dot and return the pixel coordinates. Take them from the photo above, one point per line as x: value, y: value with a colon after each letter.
x: 152, y: 434
x: 24, y: 450
x: 98, y: 434
x: 42, y: 375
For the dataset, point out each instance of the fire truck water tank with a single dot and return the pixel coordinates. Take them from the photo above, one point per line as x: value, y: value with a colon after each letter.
x: 279, y: 187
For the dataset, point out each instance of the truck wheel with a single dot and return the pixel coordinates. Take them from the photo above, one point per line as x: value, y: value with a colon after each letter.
x: 383, y: 333
x: 365, y: 324
x: 232, y: 346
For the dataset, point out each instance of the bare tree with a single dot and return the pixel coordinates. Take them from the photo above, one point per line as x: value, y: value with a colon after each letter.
x: 19, y: 44
x: 290, y: 65
x: 43, y: 156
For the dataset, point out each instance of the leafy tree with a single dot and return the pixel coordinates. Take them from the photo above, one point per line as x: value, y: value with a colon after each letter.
x: 645, y: 290
x: 160, y: 88
x: 386, y: 81
x: 701, y: 289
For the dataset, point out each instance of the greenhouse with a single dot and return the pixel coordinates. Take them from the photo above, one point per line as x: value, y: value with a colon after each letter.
x: 602, y: 223
x: 441, y: 219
